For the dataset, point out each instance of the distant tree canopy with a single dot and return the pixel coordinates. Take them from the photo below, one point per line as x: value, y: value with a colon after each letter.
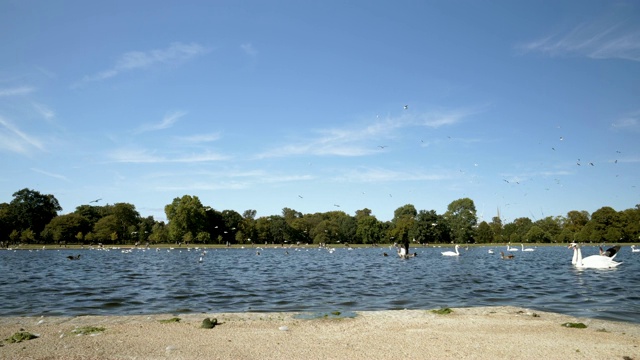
x: 32, y: 217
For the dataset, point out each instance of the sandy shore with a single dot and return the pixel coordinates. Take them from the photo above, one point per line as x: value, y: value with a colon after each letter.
x: 474, y: 333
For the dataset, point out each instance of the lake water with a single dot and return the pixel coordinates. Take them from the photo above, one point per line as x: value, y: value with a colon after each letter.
x: 35, y: 283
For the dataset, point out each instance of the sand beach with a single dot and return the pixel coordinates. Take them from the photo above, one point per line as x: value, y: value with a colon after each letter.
x: 464, y: 333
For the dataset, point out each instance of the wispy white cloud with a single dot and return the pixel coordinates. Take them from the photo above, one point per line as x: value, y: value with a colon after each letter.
x: 630, y: 121
x: 604, y: 39
x: 364, y: 140
x: 21, y: 90
x: 165, y: 123
x: 15, y: 140
x: 377, y: 175
x: 200, y: 138
x: 50, y: 174
x: 229, y: 180
x: 44, y: 111
x: 249, y: 49
x: 136, y: 155
x: 137, y: 60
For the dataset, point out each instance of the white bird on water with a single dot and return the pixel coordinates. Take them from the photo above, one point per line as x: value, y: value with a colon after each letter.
x: 593, y: 261
x: 451, y: 253
x: 526, y: 249
x: 511, y: 249
x: 633, y: 249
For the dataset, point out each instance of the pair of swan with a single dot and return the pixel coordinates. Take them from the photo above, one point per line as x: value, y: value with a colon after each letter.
x: 593, y: 261
x: 509, y: 248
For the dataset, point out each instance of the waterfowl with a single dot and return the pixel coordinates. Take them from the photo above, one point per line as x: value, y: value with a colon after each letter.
x: 506, y: 257
x: 593, y: 261
x: 526, y: 249
x: 451, y: 253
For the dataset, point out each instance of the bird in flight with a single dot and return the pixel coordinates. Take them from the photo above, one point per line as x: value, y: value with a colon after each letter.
x: 94, y: 201
x: 382, y: 146
x: 406, y: 107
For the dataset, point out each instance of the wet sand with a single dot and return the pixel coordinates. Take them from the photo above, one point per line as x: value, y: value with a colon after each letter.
x: 468, y: 333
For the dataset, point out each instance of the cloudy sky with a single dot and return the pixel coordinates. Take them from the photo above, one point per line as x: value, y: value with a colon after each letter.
x: 531, y: 108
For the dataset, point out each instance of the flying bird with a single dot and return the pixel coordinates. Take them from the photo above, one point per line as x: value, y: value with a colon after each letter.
x: 382, y: 146
x: 300, y: 196
x: 406, y: 107
x: 95, y: 201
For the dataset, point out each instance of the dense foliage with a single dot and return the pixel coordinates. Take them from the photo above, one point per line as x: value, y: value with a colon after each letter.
x: 33, y: 218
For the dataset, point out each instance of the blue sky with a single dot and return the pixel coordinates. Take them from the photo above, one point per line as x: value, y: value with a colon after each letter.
x: 323, y: 105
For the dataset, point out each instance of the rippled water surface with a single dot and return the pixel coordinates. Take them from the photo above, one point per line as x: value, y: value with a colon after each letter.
x: 111, y: 282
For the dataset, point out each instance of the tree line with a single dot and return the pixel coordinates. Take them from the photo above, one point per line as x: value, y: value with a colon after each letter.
x: 32, y: 218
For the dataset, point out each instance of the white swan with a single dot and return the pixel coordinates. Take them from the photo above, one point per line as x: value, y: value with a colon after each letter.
x: 451, y: 253
x: 633, y: 249
x: 527, y: 249
x: 593, y: 261
x: 511, y: 249
x: 490, y: 251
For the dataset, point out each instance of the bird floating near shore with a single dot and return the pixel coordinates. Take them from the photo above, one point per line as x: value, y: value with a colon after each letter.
x: 506, y: 257
x: 451, y: 253
x: 593, y: 261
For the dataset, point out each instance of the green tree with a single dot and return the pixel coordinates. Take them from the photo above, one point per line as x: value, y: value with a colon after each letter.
x: 159, y: 233
x: 30, y: 209
x: 484, y: 233
x: 521, y: 226
x: 185, y: 215
x: 65, y: 228
x: 402, y: 223
x: 368, y: 230
x: 105, y: 228
x: 537, y: 235
x: 606, y: 225
x: 232, y: 221
x: 576, y: 220
x: 461, y: 216
x: 127, y: 218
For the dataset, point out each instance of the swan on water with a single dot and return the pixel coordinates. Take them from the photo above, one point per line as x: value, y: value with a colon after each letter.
x: 633, y: 249
x: 526, y: 249
x: 451, y: 253
x: 593, y: 261
x: 490, y: 251
x: 511, y: 249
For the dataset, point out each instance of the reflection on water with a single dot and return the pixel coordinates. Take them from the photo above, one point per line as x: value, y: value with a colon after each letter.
x: 311, y: 280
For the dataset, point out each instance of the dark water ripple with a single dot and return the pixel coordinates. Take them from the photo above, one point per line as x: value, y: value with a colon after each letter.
x: 233, y: 280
